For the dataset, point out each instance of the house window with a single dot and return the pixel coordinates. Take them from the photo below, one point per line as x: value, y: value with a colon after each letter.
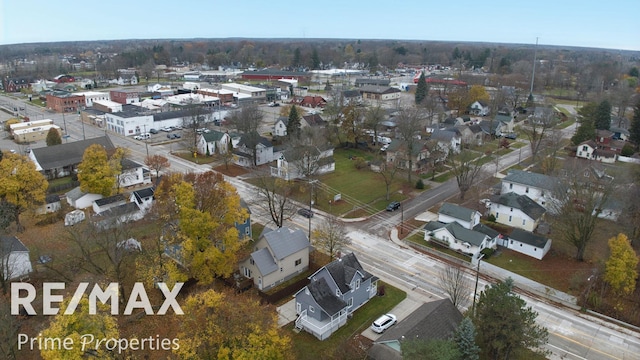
x: 512, y: 209
x: 350, y: 302
x: 521, y: 245
x: 511, y: 242
x: 509, y: 218
x: 252, y: 262
x: 357, y: 284
x: 584, y: 148
x: 311, y: 309
x: 523, y: 222
x: 298, y: 307
x: 535, y: 249
x: 281, y: 269
x: 298, y: 262
x: 497, y: 215
x: 247, y: 272
x: 526, y: 190
x: 510, y: 186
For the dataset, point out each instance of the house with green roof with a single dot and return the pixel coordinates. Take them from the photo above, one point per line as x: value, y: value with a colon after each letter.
x: 213, y: 142
x: 467, y: 218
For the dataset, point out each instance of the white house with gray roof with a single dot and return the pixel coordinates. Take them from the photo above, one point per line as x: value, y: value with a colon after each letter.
x: 449, y: 213
x: 516, y: 210
x: 538, y: 187
x: 458, y: 238
x: 14, y: 258
x: 278, y: 256
x: 527, y: 243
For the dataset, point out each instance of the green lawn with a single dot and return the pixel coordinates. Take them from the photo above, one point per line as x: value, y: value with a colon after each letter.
x: 362, y: 185
x: 306, y: 346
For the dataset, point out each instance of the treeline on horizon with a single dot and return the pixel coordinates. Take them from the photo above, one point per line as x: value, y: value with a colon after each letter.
x: 560, y: 66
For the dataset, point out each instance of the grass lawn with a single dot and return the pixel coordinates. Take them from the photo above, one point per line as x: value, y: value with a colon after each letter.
x: 307, y: 346
x: 361, y: 186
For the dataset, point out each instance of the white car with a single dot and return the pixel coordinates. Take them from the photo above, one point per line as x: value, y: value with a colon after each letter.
x: 383, y: 323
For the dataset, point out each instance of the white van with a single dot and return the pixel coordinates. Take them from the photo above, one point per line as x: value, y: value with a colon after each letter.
x: 143, y: 136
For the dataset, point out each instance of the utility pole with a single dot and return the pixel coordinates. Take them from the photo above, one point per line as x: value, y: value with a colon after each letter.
x: 533, y: 73
x: 66, y: 133
x: 475, y: 291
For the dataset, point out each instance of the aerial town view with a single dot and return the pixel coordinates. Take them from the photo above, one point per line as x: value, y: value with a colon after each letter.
x: 337, y: 181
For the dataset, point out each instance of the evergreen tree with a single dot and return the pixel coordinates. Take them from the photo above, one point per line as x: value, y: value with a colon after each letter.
x: 421, y: 89
x: 293, y: 126
x: 315, y: 59
x: 586, y: 129
x: 296, y: 58
x: 634, y: 130
x: 53, y: 137
x: 465, y: 338
x: 505, y: 325
x: 602, y: 118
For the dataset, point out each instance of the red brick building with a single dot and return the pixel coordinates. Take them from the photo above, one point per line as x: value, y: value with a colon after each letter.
x: 124, y: 97
x: 62, y: 101
x: 16, y: 84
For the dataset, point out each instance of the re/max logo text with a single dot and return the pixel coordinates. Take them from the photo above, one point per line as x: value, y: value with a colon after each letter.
x: 138, y: 298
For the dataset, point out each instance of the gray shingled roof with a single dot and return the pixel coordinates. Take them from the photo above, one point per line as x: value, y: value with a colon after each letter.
x: 11, y: 243
x: 67, y: 154
x: 457, y: 211
x: 344, y: 269
x: 264, y: 261
x: 285, y: 241
x: 529, y: 238
x: 326, y: 299
x: 522, y: 202
x: 110, y: 200
x: 433, y: 320
x: 536, y: 180
x: 460, y: 233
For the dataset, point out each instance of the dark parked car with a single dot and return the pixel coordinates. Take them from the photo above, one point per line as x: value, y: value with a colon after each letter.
x: 393, y: 206
x: 153, y: 131
x: 511, y: 136
x: 306, y: 213
x: 173, y: 136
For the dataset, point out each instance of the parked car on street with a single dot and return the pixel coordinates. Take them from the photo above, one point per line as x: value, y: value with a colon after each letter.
x: 383, y: 323
x: 305, y: 212
x: 393, y: 206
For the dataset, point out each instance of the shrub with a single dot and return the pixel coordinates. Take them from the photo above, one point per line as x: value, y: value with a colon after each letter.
x: 359, y: 162
x: 420, y: 184
x: 627, y: 150
x: 487, y: 252
x: 491, y: 218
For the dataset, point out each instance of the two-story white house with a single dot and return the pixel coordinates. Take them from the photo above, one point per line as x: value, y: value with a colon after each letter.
x: 467, y: 218
x: 589, y: 150
x: 516, y: 210
x: 244, y: 155
x: 213, y: 142
x: 538, y: 187
x: 297, y: 163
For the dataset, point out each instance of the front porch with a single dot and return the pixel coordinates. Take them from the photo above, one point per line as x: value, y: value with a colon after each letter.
x: 321, y: 329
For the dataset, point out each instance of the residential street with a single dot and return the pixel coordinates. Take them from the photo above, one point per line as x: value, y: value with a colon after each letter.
x: 573, y: 335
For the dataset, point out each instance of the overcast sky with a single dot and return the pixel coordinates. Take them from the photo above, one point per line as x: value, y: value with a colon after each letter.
x: 612, y: 24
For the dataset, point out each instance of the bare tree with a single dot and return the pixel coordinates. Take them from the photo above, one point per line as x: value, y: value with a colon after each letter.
x: 9, y: 329
x: 157, y: 163
x: 578, y: 202
x: 410, y: 122
x: 388, y: 171
x: 104, y: 247
x: 198, y: 115
x: 436, y: 155
x: 537, y: 129
x: 466, y: 166
x: 552, y: 144
x: 453, y: 280
x: 247, y: 121
x: 274, y: 196
x: 331, y: 236
x: 374, y: 115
